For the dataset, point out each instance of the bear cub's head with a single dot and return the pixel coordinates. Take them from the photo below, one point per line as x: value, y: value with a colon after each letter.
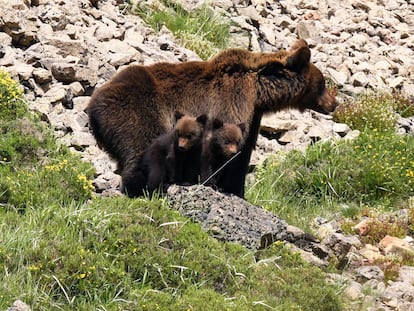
x: 189, y: 130
x: 226, y: 138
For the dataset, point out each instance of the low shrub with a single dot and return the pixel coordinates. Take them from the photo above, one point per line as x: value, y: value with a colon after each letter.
x: 35, y: 170
x: 12, y: 103
x: 374, y: 111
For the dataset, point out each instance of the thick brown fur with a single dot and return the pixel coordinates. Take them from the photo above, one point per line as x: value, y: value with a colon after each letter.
x: 221, y: 144
x: 236, y: 86
x: 173, y: 157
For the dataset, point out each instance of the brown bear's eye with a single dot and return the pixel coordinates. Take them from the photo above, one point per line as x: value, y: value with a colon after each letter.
x: 322, y: 87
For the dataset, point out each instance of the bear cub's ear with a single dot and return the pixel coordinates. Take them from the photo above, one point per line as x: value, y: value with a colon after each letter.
x: 299, y: 57
x: 242, y: 127
x: 217, y: 123
x: 202, y: 119
x: 178, y: 115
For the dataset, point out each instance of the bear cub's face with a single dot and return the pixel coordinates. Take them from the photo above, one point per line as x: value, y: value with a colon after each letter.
x: 227, y: 138
x: 188, y: 130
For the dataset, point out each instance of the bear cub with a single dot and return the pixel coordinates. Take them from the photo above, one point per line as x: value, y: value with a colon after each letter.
x: 221, y: 142
x: 175, y: 157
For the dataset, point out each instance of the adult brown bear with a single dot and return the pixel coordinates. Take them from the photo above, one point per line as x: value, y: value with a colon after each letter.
x: 236, y: 86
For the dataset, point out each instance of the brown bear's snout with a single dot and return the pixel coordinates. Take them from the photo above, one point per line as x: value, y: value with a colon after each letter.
x: 328, y: 102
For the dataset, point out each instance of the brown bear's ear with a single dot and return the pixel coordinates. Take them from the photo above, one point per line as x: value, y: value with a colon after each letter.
x: 301, y: 43
x: 178, y: 115
x: 217, y: 124
x: 242, y: 127
x: 202, y: 119
x: 299, y: 57
x: 271, y: 68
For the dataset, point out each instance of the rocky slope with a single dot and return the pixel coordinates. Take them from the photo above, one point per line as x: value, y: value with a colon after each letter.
x: 62, y: 50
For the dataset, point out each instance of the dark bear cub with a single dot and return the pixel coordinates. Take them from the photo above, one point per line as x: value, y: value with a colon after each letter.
x: 175, y: 157
x: 222, y: 142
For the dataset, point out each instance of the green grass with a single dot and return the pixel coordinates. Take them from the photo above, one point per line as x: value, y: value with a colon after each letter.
x: 200, y: 30
x: 374, y: 169
x: 137, y: 254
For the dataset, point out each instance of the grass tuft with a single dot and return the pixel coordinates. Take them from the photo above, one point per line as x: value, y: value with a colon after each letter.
x: 201, y: 30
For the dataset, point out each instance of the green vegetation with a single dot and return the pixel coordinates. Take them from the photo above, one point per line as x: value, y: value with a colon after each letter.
x: 374, y: 111
x: 200, y: 30
x: 139, y: 255
x: 374, y: 169
x: 61, y: 248
x: 34, y: 170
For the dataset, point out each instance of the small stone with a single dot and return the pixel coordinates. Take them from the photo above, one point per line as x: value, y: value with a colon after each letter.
x: 363, y: 227
x: 396, y: 293
x: 317, y: 133
x: 366, y: 273
x: 382, y: 65
x: 19, y: 305
x: 82, y: 140
x: 291, y: 136
x: 273, y: 124
x: 268, y: 30
x: 5, y: 39
x: 354, y: 291
x: 107, y: 181
x: 406, y: 274
x: 24, y: 71
x: 359, y: 79
x: 339, y: 244
x: 390, y: 245
x: 56, y: 93
x: 42, y: 76
x: 341, y: 128
x: 352, y: 134
x: 76, y: 88
x: 64, y: 72
x: 80, y: 103
x: 396, y: 82
x: 307, y: 30
x: 339, y: 77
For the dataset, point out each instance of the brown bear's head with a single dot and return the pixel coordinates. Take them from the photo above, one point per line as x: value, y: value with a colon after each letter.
x: 189, y: 130
x: 315, y: 96
x: 228, y: 137
x: 301, y: 81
